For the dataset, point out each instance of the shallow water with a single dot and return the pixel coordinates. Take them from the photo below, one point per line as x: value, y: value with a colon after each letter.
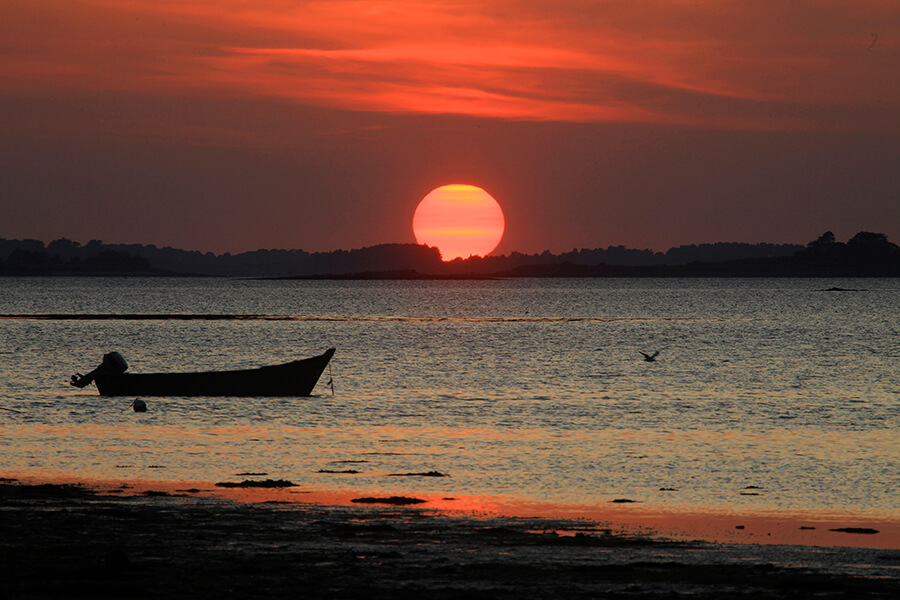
x: 768, y: 394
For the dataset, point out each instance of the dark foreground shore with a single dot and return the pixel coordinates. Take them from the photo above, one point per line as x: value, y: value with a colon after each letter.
x: 62, y: 541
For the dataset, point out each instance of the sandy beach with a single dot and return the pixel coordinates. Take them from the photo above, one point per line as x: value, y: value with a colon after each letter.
x: 64, y: 540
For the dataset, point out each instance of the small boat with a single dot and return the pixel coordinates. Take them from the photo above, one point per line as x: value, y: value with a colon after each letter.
x: 296, y: 378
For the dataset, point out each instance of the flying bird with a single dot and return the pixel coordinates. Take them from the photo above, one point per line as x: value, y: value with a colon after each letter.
x: 650, y: 357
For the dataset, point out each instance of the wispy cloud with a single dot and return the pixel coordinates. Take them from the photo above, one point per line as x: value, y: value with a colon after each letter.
x: 766, y: 64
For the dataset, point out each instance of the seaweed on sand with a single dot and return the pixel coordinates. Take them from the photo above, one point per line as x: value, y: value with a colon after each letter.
x: 395, y: 500
x: 254, y: 483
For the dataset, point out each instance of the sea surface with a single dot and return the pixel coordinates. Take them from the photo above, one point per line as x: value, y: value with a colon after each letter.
x: 768, y: 395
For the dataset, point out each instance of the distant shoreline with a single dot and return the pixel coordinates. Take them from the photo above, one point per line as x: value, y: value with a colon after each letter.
x: 864, y: 255
x: 416, y: 276
x: 619, y: 273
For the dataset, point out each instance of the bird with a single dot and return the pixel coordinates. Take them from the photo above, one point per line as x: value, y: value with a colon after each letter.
x: 650, y: 357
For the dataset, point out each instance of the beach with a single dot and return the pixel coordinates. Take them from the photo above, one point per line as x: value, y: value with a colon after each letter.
x: 82, y: 541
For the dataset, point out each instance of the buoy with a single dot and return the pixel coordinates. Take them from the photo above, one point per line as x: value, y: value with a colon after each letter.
x: 139, y: 405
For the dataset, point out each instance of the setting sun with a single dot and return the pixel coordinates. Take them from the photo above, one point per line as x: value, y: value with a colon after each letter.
x: 460, y: 221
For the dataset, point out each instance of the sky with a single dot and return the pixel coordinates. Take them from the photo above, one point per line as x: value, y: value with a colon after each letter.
x: 227, y: 126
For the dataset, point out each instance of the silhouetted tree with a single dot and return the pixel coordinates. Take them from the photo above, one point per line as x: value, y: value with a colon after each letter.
x: 825, y: 239
x: 824, y: 245
x: 66, y: 249
x: 871, y: 242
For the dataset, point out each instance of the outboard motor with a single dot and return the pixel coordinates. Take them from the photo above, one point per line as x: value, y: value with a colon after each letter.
x: 113, y: 364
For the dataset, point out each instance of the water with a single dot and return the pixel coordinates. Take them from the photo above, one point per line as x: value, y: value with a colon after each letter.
x: 768, y: 394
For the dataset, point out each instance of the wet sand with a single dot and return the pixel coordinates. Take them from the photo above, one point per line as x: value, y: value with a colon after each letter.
x: 75, y: 541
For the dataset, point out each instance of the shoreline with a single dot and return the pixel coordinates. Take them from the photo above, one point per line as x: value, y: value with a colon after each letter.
x: 70, y: 541
x: 810, y: 528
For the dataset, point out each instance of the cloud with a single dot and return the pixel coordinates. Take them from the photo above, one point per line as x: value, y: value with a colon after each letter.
x: 742, y: 65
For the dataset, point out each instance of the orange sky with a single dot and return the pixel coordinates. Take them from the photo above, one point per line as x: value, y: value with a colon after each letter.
x: 271, y: 75
x: 725, y: 64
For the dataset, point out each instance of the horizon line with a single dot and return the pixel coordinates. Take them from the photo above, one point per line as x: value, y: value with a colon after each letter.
x: 379, y: 244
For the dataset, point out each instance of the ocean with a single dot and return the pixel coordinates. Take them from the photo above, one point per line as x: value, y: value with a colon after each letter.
x: 767, y: 396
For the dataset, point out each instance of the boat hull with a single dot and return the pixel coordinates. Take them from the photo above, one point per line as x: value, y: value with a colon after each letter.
x: 296, y: 378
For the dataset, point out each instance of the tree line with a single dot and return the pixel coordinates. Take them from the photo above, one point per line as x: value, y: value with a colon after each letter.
x: 67, y: 257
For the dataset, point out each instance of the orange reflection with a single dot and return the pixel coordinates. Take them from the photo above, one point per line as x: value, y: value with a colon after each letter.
x: 813, y: 528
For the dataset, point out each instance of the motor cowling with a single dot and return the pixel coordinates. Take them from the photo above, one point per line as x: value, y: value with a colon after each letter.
x: 114, y: 363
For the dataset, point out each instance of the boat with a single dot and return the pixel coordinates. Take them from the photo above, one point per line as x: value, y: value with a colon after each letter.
x: 295, y: 378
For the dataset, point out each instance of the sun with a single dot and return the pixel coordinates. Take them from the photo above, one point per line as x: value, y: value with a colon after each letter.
x: 459, y: 220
